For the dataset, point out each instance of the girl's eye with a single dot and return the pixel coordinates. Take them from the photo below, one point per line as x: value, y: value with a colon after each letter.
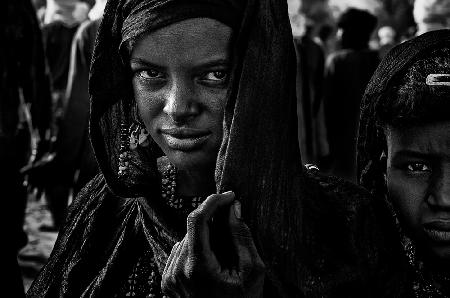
x: 418, y: 167
x: 216, y: 76
x: 150, y: 74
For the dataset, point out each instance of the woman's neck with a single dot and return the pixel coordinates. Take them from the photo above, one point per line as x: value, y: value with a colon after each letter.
x: 195, y: 182
x: 438, y: 270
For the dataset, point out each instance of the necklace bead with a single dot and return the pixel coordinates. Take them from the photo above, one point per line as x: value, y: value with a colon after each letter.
x: 168, y: 191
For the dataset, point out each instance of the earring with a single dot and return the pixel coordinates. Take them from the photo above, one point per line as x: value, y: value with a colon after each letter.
x: 130, y: 138
x: 138, y: 136
x: 123, y: 149
x: 383, y: 162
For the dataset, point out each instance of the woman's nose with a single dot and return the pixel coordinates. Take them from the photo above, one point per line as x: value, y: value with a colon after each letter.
x: 440, y: 194
x: 181, y: 103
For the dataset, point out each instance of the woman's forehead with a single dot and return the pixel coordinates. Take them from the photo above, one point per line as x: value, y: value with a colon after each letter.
x: 432, y: 139
x: 193, y: 39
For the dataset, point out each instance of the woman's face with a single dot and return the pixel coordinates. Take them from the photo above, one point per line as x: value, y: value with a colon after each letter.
x: 418, y: 182
x: 180, y: 82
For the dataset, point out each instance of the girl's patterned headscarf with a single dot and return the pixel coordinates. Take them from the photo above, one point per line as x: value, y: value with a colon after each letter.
x: 378, y: 104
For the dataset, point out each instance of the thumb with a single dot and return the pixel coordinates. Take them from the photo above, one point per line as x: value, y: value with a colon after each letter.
x: 239, y: 230
x: 241, y: 236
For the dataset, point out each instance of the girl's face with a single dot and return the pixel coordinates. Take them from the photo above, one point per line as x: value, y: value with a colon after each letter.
x: 418, y: 182
x: 180, y: 82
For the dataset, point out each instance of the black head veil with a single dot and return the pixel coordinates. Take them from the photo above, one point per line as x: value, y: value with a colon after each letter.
x: 371, y: 140
x: 259, y: 157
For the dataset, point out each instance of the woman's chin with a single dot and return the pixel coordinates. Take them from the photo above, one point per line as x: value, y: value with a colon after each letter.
x: 441, y: 252
x: 190, y: 160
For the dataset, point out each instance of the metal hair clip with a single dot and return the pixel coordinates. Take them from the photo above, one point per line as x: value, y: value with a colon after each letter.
x: 436, y: 79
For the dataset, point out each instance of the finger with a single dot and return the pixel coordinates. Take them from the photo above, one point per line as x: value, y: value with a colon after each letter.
x: 172, y: 255
x: 197, y: 223
x: 169, y: 280
x: 180, y: 269
x: 249, y: 258
x: 168, y: 269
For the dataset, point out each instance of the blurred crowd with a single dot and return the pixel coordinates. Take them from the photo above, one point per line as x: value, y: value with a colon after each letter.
x: 45, y: 58
x: 44, y: 145
x: 339, y: 45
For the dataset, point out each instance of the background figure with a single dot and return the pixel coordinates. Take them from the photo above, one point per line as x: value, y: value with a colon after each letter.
x: 346, y: 75
x: 325, y: 37
x: 310, y: 68
x: 61, y: 22
x: 431, y: 15
x: 387, y: 40
x: 74, y: 153
x: 24, y: 108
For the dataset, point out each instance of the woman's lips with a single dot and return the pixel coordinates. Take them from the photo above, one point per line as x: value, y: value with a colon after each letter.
x: 185, y: 139
x: 438, y: 230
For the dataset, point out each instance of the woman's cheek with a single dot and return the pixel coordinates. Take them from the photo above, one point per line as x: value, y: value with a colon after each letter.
x: 406, y: 194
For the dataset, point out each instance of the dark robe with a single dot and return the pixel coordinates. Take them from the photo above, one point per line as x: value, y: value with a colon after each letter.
x: 74, y: 150
x: 310, y: 78
x: 346, y: 76
x: 57, y: 37
x: 24, y: 106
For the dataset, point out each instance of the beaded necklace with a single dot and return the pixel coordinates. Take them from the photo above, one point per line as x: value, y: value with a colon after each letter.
x: 144, y: 277
x: 168, y: 187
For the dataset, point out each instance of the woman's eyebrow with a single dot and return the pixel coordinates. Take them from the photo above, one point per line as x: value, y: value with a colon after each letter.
x: 414, y: 154
x: 211, y: 63
x: 143, y: 62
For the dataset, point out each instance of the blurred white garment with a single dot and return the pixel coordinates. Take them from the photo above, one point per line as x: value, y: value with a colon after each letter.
x: 97, y: 10
x: 70, y: 12
x: 386, y: 35
x: 431, y: 15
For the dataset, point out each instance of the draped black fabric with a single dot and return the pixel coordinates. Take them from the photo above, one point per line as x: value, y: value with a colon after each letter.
x: 319, y: 236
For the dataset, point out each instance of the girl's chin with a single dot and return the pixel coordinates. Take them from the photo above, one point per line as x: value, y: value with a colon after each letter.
x: 441, y: 253
x: 191, y: 160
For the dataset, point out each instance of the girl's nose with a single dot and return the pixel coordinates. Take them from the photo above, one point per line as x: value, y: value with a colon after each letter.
x: 440, y: 193
x: 181, y: 102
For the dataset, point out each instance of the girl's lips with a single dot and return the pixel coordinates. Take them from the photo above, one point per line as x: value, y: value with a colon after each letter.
x: 438, y: 230
x: 184, y: 132
x: 185, y: 139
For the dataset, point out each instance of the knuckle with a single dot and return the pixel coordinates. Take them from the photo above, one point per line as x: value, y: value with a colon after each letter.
x: 175, y: 247
x: 260, y: 266
x: 195, y: 218
x: 243, y: 233
x: 192, y: 268
x: 168, y: 281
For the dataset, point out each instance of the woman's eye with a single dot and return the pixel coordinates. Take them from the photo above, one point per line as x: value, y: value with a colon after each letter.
x: 150, y: 74
x: 216, y: 76
x: 418, y: 167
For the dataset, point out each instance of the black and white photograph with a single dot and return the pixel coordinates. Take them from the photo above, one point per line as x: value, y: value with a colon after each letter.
x: 225, y: 148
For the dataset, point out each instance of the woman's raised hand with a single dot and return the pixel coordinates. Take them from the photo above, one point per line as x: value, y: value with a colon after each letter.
x: 193, y: 268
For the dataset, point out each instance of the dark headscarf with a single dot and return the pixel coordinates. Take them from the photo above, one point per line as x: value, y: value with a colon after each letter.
x: 383, y: 105
x: 372, y: 141
x: 258, y: 159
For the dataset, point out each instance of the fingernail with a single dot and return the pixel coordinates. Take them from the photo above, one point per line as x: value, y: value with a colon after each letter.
x: 237, y: 209
x: 228, y: 193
